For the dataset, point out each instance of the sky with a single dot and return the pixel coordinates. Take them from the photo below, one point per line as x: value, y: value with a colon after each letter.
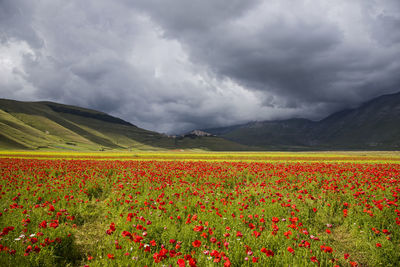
x: 176, y: 65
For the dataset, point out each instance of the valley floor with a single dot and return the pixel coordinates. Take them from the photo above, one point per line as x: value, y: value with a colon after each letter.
x: 196, y: 208
x: 359, y: 156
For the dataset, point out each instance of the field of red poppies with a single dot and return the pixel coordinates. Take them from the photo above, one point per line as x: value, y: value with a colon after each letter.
x: 198, y: 213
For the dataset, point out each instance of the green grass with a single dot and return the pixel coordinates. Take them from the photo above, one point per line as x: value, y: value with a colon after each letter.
x: 51, y: 126
x: 182, y: 183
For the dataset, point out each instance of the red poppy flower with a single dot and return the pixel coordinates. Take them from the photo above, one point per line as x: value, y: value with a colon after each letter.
x: 314, y: 259
x: 256, y: 234
x: 227, y: 263
x: 36, y: 249
x: 269, y: 253
x: 275, y: 219
x: 181, y: 262
x: 43, y: 224
x: 196, y: 243
x: 198, y: 228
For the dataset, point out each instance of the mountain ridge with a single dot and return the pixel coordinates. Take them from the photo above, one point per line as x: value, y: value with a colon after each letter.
x: 375, y: 124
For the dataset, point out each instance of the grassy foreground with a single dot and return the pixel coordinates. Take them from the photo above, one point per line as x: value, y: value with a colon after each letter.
x: 199, y: 209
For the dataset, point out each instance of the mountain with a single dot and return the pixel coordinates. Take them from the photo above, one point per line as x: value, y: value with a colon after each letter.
x: 48, y: 125
x: 372, y: 126
x: 375, y: 125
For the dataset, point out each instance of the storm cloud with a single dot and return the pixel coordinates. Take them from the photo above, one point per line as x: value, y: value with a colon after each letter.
x: 173, y: 66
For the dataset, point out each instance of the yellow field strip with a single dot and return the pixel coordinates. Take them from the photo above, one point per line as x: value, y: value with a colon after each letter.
x: 337, y: 156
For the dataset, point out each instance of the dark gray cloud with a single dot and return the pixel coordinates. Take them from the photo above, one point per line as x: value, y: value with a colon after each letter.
x: 176, y: 65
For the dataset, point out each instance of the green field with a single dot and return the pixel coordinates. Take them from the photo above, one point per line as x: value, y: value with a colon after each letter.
x: 195, y: 208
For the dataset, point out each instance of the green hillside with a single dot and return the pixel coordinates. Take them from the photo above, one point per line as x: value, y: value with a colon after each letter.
x: 52, y: 126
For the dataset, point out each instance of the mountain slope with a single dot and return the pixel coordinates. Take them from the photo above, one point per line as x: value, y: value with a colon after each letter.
x: 373, y: 125
x: 48, y: 125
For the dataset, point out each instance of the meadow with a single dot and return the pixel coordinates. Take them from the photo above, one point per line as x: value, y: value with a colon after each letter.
x: 190, y: 208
